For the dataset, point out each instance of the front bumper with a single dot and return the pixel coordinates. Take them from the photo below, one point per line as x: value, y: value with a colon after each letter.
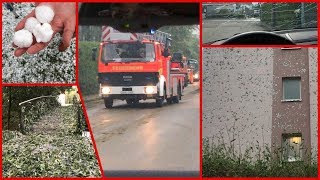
x: 129, y: 92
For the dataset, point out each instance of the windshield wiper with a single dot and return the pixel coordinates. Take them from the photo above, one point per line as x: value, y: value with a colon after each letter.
x: 107, y: 61
x: 137, y: 61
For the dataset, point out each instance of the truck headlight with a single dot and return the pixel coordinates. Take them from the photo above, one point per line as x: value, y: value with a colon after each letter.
x: 149, y: 89
x: 105, y: 90
x: 196, y: 76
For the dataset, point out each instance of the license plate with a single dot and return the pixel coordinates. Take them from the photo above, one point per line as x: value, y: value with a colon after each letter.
x: 126, y: 92
x: 127, y: 89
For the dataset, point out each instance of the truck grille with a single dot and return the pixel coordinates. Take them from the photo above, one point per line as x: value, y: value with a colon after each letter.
x: 129, y: 79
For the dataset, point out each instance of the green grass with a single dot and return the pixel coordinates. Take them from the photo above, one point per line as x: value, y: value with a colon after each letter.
x: 88, y: 68
x: 220, y: 160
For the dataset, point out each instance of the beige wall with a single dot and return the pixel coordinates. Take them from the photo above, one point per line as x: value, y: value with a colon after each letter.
x: 237, y: 96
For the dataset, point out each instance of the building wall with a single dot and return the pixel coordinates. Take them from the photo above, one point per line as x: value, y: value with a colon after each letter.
x: 242, y: 92
x: 313, y: 87
x: 290, y: 117
x: 237, y: 96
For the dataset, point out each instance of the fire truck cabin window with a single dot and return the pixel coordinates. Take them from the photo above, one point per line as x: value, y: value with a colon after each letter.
x: 128, y: 52
x: 292, y: 147
x: 291, y: 88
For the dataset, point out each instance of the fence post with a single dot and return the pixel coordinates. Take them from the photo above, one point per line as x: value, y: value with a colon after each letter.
x: 302, y: 21
x: 273, y: 16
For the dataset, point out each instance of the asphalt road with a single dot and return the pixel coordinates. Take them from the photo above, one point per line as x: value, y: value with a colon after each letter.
x: 216, y: 29
x: 146, y: 137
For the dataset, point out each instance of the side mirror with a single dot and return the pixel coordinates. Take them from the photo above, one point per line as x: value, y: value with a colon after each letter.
x: 93, y: 54
x: 166, y: 53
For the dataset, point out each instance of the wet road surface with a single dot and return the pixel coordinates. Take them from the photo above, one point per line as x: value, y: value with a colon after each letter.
x: 216, y: 29
x: 146, y: 137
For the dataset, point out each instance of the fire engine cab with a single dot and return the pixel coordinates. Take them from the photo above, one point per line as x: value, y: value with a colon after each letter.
x: 134, y: 67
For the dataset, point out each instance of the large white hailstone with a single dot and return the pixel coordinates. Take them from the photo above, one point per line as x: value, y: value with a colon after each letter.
x: 22, y: 38
x: 44, y: 14
x: 31, y: 23
x: 43, y: 33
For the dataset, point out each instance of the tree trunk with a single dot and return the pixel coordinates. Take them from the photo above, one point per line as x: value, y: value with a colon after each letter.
x: 9, y: 108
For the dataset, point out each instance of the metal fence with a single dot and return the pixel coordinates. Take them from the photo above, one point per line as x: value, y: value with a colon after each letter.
x: 279, y: 16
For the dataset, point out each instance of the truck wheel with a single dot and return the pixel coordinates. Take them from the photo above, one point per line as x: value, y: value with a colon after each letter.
x: 160, y: 100
x: 108, y: 103
x: 175, y: 99
x: 169, y: 100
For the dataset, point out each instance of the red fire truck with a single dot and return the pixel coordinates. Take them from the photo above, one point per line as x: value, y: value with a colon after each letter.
x: 135, y: 67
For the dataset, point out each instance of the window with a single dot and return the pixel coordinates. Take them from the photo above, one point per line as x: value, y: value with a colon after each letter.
x: 292, y: 147
x: 291, y: 88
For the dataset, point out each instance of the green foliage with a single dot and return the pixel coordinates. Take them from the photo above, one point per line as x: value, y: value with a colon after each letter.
x: 184, y: 39
x: 52, y: 149
x: 32, y: 112
x: 219, y: 160
x: 8, y: 135
x: 90, y: 33
x: 39, y: 155
x: 88, y: 68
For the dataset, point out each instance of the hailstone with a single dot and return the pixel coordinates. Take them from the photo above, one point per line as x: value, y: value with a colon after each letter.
x: 22, y: 38
x: 44, y: 14
x: 31, y: 23
x: 43, y: 33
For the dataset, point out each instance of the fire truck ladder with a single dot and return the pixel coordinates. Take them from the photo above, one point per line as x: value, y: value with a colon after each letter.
x: 157, y: 36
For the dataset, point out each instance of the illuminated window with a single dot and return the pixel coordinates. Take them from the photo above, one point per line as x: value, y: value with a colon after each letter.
x: 291, y: 88
x: 292, y: 147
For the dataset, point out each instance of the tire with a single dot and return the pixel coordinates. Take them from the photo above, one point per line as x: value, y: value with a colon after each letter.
x: 108, y: 103
x: 169, y: 100
x: 160, y: 101
x: 176, y: 99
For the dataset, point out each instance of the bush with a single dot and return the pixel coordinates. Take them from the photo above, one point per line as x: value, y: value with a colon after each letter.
x: 53, y: 148
x: 218, y: 160
x: 39, y: 155
x: 88, y: 69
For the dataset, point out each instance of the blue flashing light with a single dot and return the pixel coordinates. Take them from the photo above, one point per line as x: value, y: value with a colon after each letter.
x: 152, y: 31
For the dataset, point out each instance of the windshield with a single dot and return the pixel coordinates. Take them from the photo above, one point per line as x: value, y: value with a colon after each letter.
x: 193, y: 64
x: 223, y: 20
x: 128, y: 52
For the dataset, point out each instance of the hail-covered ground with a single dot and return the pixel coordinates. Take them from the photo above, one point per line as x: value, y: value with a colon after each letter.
x: 48, y: 66
x: 50, y: 148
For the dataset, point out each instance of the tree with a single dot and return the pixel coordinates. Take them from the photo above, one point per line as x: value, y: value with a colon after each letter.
x: 185, y: 39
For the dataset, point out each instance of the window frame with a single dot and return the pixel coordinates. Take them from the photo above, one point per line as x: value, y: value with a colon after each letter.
x: 286, y: 137
x: 283, y: 91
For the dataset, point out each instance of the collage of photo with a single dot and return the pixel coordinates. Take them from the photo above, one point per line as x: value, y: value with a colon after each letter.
x: 188, y: 89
